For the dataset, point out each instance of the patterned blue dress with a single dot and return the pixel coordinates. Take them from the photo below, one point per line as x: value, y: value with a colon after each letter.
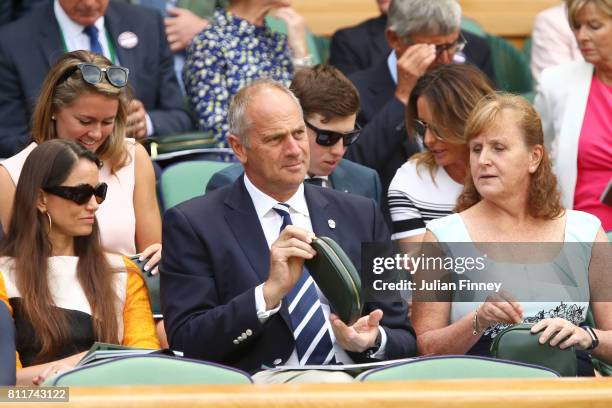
x: 223, y: 58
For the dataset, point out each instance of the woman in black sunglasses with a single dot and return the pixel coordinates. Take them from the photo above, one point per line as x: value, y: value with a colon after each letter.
x: 85, y: 98
x: 63, y: 289
x: 427, y: 186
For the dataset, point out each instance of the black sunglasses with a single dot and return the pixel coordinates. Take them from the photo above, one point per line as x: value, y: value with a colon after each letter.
x: 330, y: 138
x: 80, y: 194
x: 92, y: 74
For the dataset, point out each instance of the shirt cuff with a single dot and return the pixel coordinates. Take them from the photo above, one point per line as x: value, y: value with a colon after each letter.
x: 382, y: 350
x: 260, y: 305
x: 150, y: 127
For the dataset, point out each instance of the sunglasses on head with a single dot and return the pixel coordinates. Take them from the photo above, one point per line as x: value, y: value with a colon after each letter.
x: 80, y: 194
x: 330, y: 138
x: 92, y: 74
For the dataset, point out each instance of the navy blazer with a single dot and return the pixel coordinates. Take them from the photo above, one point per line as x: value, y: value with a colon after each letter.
x: 347, y: 176
x: 357, y: 48
x: 31, y: 45
x: 215, y: 254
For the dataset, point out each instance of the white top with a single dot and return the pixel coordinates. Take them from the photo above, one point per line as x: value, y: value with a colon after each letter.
x: 116, y: 216
x: 271, y: 223
x: 580, y: 227
x: 415, y: 198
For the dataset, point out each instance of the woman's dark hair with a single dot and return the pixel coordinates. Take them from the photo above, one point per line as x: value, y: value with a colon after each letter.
x: 27, y: 241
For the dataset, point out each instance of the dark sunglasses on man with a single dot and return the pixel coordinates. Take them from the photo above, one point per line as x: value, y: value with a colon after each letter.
x: 92, y: 74
x: 330, y: 138
x: 80, y: 194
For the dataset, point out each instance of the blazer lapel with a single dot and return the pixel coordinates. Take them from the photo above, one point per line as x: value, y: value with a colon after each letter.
x: 571, y: 127
x: 242, y: 219
x: 322, y: 218
x: 115, y: 26
x: 51, y: 44
x: 339, y: 179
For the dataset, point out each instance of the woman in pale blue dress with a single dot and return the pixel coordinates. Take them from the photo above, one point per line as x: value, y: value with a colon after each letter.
x: 511, y: 196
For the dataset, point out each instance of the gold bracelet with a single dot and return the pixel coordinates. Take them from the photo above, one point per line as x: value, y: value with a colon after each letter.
x: 475, y: 330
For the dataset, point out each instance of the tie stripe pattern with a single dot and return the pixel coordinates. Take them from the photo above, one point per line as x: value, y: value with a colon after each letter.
x: 94, y: 44
x: 310, y: 331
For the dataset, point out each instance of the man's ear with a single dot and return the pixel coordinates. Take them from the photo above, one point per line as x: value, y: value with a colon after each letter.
x: 238, y: 148
x: 392, y: 39
x: 537, y: 153
x: 41, y: 202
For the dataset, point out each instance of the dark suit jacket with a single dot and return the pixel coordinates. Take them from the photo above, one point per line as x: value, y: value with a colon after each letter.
x: 215, y: 254
x: 30, y: 46
x: 347, y: 176
x: 356, y: 48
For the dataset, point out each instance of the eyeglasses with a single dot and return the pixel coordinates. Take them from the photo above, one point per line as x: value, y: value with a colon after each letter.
x: 80, y: 194
x: 92, y: 74
x: 330, y: 138
x: 456, y: 46
x: 421, y: 127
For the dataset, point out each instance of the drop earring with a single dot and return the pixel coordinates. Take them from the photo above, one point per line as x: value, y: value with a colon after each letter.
x: 50, y: 223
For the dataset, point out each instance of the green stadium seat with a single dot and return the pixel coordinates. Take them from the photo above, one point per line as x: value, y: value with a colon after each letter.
x: 182, y: 181
x: 278, y: 25
x: 472, y: 26
x: 512, y: 73
x: 456, y: 367
x: 148, y: 370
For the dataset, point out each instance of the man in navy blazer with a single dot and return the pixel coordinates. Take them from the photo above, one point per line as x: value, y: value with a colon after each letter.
x: 135, y: 39
x: 330, y: 103
x: 422, y: 34
x: 227, y: 270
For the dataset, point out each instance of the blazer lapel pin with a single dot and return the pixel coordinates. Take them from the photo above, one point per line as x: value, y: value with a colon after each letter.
x: 331, y: 223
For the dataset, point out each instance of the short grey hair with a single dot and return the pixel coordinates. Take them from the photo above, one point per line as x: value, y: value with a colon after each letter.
x: 426, y: 17
x: 239, y: 122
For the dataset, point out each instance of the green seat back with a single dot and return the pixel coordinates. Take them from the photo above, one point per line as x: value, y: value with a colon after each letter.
x: 527, y: 50
x: 455, y: 367
x: 278, y: 25
x: 185, y: 180
x: 472, y: 26
x: 511, y: 69
x: 149, y: 370
x: 609, y: 236
x: 323, y: 46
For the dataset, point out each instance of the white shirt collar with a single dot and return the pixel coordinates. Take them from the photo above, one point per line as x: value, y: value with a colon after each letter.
x: 69, y: 28
x: 264, y: 203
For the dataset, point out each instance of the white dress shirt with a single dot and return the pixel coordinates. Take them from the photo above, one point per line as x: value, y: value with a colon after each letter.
x: 271, y: 223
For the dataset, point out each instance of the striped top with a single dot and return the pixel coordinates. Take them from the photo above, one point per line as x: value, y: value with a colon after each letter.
x: 415, y: 198
x: 136, y: 327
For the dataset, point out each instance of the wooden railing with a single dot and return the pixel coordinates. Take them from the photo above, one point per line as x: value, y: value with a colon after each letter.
x: 558, y: 393
x: 512, y: 19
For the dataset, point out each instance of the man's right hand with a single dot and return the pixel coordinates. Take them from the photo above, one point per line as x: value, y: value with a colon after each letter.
x: 412, y: 65
x: 287, y: 256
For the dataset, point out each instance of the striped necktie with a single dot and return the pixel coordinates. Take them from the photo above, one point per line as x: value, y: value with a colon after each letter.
x: 94, y: 44
x: 312, y: 340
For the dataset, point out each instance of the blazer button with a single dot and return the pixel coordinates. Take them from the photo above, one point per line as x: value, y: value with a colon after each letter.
x: 236, y: 341
x: 277, y: 361
x: 243, y: 336
x: 249, y: 332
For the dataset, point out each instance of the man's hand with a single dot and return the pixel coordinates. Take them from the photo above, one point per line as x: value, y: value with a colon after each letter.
x: 296, y: 30
x: 287, y: 256
x: 181, y: 27
x: 136, y: 121
x: 360, y: 336
x: 412, y: 65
